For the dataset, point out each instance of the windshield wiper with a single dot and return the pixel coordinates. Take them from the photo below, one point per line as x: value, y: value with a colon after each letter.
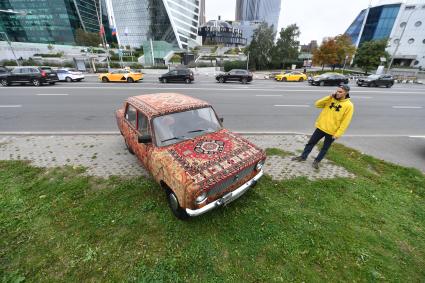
x: 176, y: 138
x: 200, y: 130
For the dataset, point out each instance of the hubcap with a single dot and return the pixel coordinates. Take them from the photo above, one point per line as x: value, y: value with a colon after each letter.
x: 35, y: 82
x: 173, y: 201
x: 4, y: 82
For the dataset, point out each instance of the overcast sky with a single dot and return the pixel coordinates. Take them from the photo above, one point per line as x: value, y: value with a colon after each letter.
x: 316, y: 18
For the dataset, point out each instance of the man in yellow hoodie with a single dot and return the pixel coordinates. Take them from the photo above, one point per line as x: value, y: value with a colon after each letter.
x: 331, y: 123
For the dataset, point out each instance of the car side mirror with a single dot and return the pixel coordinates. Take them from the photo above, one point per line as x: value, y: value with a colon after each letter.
x: 221, y: 119
x: 144, y: 139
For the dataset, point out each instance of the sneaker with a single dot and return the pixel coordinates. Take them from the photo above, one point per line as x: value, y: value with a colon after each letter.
x: 298, y: 158
x: 315, y: 165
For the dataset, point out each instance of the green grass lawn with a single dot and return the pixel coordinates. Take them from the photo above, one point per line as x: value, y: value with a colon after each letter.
x: 59, y: 225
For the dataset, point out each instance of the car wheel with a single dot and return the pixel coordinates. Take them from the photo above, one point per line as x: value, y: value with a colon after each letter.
x: 68, y: 79
x: 244, y: 80
x: 301, y: 80
x: 130, y: 80
x: 221, y: 80
x: 187, y: 81
x: 35, y: 82
x: 4, y: 82
x: 284, y: 79
x: 373, y: 85
x: 390, y: 85
x: 105, y: 80
x: 128, y: 146
x: 164, y: 80
x: 174, y: 205
x: 322, y: 84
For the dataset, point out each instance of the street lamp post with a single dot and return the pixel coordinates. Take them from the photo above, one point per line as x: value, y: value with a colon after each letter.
x: 399, y: 40
x: 10, y: 11
x: 11, y: 48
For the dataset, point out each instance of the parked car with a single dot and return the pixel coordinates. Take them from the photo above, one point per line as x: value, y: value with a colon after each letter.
x: 328, y: 79
x: 235, y: 75
x: 69, y: 75
x: 291, y: 77
x: 182, y: 143
x: 177, y: 75
x: 121, y: 75
x: 376, y: 80
x: 33, y: 75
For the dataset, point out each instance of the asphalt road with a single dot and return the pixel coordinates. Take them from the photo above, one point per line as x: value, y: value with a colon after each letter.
x: 388, y: 123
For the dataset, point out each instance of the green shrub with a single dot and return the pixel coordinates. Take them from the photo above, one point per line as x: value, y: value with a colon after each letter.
x: 229, y: 65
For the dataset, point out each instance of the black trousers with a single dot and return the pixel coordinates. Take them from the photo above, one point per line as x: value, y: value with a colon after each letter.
x: 315, y: 138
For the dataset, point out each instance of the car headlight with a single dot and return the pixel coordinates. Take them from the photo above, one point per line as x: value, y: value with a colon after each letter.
x: 259, y: 165
x: 201, y: 198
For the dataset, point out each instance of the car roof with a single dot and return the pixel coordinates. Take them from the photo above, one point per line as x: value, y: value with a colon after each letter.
x: 157, y: 104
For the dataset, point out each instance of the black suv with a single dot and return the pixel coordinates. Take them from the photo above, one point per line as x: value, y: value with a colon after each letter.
x: 33, y: 75
x: 376, y: 80
x: 235, y: 75
x: 178, y: 75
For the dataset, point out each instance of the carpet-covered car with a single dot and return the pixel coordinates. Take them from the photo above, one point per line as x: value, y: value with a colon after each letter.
x: 181, y: 142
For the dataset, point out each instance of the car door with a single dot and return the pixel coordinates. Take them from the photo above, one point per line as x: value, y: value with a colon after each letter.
x: 114, y: 76
x: 293, y: 77
x: 172, y: 76
x: 143, y: 129
x: 130, y: 127
x: 181, y: 75
x: 233, y: 76
x: 15, y: 75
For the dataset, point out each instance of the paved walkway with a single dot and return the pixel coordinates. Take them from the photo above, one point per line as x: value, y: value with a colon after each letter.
x: 106, y: 155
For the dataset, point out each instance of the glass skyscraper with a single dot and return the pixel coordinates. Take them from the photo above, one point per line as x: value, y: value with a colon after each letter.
x: 258, y: 10
x: 48, y: 21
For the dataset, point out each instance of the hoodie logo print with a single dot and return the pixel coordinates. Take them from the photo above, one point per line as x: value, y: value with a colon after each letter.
x: 336, y: 107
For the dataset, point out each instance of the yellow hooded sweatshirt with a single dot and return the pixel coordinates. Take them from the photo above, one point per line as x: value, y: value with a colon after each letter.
x: 335, y: 116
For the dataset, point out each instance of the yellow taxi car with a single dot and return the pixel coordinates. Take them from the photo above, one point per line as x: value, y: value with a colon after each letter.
x: 121, y: 75
x: 291, y: 77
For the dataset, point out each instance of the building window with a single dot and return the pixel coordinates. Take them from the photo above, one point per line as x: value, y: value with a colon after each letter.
x: 411, y: 7
x: 410, y: 41
x: 396, y: 41
x: 423, y: 41
x: 418, y: 24
x: 403, y: 24
x: 416, y: 62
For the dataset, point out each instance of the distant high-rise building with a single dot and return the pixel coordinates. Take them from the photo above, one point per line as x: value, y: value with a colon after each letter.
x: 48, y: 21
x: 202, y: 19
x: 258, y: 10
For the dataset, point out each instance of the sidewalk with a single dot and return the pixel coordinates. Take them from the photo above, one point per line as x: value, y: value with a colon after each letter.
x: 106, y: 155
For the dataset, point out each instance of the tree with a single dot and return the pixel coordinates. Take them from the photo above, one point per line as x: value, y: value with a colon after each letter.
x: 326, y: 54
x: 286, y: 49
x: 369, y: 53
x: 345, y: 49
x: 261, y: 47
x: 86, y: 38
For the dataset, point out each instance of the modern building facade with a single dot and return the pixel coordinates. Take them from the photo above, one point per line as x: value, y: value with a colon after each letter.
x: 402, y: 24
x: 258, y: 10
x: 220, y: 32
x: 172, y: 21
x: 48, y: 21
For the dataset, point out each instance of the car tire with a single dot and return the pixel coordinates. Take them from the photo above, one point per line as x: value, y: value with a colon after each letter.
x: 4, y: 82
x: 52, y: 83
x: 164, y: 80
x: 187, y: 81
x: 284, y: 79
x: 322, y: 83
x: 244, y: 81
x: 221, y: 80
x: 301, y: 80
x: 68, y: 79
x: 373, y: 85
x: 128, y: 146
x: 130, y: 80
x: 388, y: 85
x: 35, y: 82
x: 105, y: 80
x: 174, y: 205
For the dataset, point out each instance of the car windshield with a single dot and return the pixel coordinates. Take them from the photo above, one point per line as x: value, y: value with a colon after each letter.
x: 175, y: 127
x: 373, y: 77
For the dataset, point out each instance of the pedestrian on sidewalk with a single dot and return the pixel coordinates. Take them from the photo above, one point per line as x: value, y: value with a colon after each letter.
x: 331, y: 123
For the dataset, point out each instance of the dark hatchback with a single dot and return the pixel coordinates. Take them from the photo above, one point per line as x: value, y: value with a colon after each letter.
x: 376, y: 80
x: 328, y: 79
x: 178, y: 75
x: 235, y: 75
x: 35, y: 76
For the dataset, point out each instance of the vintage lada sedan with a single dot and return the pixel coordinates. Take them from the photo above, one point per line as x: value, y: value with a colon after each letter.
x: 182, y: 143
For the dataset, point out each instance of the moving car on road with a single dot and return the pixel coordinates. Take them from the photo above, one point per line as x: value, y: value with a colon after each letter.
x: 376, y: 80
x: 121, y: 75
x: 328, y: 79
x: 69, y: 75
x: 30, y: 75
x: 181, y: 142
x: 177, y: 75
x: 235, y: 75
x: 291, y: 77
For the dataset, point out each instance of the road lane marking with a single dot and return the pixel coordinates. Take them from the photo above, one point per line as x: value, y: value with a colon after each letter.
x: 407, y: 107
x: 360, y: 96
x: 269, y: 95
x: 418, y: 137
x: 10, y: 106
x: 291, y: 105
x: 52, y: 94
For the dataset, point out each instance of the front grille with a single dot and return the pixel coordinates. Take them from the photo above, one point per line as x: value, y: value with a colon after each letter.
x: 222, y: 186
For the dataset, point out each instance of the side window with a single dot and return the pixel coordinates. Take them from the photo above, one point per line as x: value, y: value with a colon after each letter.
x: 173, y: 73
x: 181, y: 72
x: 130, y: 115
x: 143, y: 124
x: 16, y: 71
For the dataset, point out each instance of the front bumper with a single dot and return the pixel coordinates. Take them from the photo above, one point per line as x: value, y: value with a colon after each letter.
x: 228, y: 198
